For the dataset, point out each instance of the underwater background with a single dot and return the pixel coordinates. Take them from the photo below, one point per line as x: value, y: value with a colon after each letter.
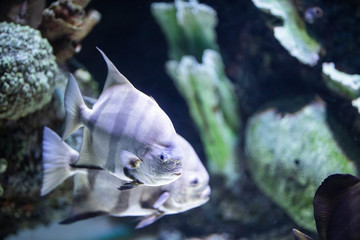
x: 266, y: 92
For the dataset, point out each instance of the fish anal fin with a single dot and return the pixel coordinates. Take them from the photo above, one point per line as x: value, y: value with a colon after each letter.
x: 161, y: 200
x: 83, y: 216
x: 299, y: 235
x: 146, y: 221
x: 114, y: 77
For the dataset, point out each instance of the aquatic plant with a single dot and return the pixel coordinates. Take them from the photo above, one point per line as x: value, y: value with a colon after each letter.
x: 292, y: 34
x: 198, y: 72
x: 289, y: 156
x: 28, y: 71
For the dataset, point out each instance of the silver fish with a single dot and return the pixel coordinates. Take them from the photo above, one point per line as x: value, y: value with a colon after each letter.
x: 95, y: 191
x: 126, y: 133
x: 312, y: 14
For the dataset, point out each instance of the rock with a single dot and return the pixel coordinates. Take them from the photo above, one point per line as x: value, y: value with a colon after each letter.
x: 290, y: 154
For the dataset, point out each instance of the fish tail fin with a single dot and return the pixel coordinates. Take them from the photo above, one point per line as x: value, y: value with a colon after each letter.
x: 73, y: 101
x: 57, y: 156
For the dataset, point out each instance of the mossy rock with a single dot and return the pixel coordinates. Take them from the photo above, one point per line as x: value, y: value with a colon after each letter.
x: 289, y: 155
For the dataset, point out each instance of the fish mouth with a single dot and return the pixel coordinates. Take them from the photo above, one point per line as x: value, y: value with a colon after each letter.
x: 175, y: 169
x: 176, y: 172
x: 205, y: 194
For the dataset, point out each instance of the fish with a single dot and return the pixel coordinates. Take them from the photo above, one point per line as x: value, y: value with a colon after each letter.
x: 312, y: 14
x: 95, y: 192
x: 126, y: 133
x: 337, y: 207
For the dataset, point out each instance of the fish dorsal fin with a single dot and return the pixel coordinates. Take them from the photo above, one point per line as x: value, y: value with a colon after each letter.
x: 161, y: 200
x: 114, y: 77
x: 146, y: 221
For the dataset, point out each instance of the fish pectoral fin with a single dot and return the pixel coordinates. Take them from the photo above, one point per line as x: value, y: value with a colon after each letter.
x: 161, y: 200
x: 130, y: 185
x: 83, y: 216
x: 129, y: 159
x: 146, y: 221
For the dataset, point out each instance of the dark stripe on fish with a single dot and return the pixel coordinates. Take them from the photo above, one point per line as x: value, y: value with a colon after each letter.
x: 144, y: 118
x: 149, y: 203
x: 150, y: 132
x: 91, y: 123
x: 122, y: 203
x: 92, y: 178
x: 119, y: 129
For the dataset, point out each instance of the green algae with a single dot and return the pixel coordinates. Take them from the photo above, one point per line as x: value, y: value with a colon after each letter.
x: 290, y: 155
x: 292, y: 34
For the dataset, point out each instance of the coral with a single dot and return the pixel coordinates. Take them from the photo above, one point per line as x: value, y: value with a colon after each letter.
x: 65, y: 24
x: 188, y: 27
x: 22, y: 12
x: 28, y: 71
x: 212, y: 105
x: 289, y: 154
x: 292, y: 35
x: 198, y: 72
x: 344, y: 84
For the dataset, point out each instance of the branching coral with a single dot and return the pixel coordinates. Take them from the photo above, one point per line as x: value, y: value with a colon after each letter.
x: 198, y: 72
x: 188, y: 27
x: 65, y: 24
x: 28, y: 71
x: 344, y: 84
x: 292, y: 35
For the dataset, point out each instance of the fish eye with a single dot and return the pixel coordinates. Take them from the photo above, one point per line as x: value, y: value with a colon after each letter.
x: 318, y: 12
x: 162, y: 157
x: 194, y: 182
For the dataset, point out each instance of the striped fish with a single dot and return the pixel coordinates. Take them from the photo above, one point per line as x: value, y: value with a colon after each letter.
x: 95, y: 191
x: 126, y: 133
